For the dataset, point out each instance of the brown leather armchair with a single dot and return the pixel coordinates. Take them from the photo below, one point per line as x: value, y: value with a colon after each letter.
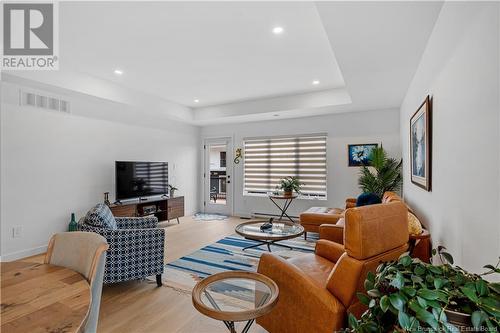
x: 335, y: 231
x: 318, y: 290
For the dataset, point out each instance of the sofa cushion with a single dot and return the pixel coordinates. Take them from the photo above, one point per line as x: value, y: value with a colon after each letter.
x: 100, y: 216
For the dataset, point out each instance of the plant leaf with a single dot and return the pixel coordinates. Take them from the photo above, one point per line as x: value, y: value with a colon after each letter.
x: 428, y: 294
x: 470, y: 293
x: 448, y: 257
x: 384, y: 303
x: 409, y: 291
x: 428, y: 318
x: 422, y: 302
x: 404, y: 320
x: 398, y: 281
x: 405, y: 261
x: 397, y: 301
x: 353, y: 322
x: 438, y: 283
x: 365, y: 300
x: 481, y: 287
x: 477, y: 319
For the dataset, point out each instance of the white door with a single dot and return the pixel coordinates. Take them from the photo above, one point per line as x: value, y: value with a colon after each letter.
x: 218, y: 185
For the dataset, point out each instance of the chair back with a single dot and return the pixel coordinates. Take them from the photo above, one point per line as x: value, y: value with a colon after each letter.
x: 372, y: 234
x: 79, y: 251
x: 83, y: 252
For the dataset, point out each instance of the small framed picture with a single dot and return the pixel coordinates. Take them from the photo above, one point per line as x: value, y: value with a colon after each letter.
x: 421, y: 145
x: 359, y: 155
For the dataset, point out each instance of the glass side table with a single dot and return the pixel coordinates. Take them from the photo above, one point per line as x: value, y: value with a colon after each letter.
x: 235, y: 296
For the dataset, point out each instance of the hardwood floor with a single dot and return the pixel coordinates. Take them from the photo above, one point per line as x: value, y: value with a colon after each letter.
x: 140, y: 306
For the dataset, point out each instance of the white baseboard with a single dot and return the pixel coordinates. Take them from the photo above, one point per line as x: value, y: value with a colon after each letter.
x: 23, y: 253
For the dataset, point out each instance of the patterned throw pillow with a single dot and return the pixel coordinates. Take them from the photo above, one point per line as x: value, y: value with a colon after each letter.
x: 100, y: 216
x: 414, y: 225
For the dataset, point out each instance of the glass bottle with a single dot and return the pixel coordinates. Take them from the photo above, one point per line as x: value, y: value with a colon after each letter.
x: 73, y: 226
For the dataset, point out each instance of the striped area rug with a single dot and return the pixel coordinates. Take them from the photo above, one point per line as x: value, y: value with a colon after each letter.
x: 226, y: 255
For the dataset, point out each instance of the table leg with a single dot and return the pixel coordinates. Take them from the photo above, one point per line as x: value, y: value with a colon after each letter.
x: 255, y: 245
x: 283, y: 209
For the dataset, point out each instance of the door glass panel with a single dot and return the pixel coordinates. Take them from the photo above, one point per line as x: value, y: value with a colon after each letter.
x: 217, y: 170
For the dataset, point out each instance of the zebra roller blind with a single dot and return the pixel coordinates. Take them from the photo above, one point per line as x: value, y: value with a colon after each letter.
x: 267, y: 160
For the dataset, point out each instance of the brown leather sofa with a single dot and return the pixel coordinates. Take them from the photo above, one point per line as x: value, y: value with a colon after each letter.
x: 318, y: 290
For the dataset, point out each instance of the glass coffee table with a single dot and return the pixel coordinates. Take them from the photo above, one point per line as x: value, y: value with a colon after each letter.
x: 235, y: 296
x: 279, y: 232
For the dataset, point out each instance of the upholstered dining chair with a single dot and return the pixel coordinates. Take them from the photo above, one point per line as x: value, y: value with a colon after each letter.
x: 84, y: 252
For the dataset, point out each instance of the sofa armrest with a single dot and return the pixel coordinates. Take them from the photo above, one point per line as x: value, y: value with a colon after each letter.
x: 144, y: 222
x: 332, y: 232
x: 329, y: 250
x: 291, y: 314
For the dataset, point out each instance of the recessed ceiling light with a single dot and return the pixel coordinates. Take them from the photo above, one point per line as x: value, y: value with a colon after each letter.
x: 315, y: 82
x: 278, y: 30
x: 196, y: 101
x: 118, y: 72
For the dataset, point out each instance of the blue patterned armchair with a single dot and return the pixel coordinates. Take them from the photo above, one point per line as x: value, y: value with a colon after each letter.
x: 136, y: 246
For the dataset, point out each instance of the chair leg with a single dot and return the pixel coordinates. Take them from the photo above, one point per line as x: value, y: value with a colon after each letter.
x: 305, y: 235
x: 158, y: 280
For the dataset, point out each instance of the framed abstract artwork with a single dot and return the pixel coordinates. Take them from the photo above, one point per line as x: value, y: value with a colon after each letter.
x: 421, y: 145
x: 358, y: 154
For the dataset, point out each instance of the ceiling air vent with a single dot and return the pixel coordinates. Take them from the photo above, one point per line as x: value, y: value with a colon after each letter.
x: 39, y: 100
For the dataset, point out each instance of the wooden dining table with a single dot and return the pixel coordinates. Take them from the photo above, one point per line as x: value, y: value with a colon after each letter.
x: 42, y: 298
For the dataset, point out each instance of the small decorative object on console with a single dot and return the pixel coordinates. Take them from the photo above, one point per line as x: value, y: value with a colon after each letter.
x: 106, y: 199
x: 73, y: 226
x: 172, y: 190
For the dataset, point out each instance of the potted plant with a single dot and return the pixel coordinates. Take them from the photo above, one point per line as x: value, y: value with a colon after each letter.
x: 381, y: 174
x: 290, y: 185
x: 409, y: 295
x: 172, y: 189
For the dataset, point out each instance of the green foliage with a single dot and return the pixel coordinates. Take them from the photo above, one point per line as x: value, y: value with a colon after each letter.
x: 413, y: 296
x: 172, y: 187
x: 382, y: 173
x: 290, y: 184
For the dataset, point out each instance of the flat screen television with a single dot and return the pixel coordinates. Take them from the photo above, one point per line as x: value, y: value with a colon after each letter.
x: 140, y: 179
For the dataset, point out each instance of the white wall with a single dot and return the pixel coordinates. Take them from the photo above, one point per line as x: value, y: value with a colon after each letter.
x: 460, y: 70
x: 342, y: 129
x: 53, y: 164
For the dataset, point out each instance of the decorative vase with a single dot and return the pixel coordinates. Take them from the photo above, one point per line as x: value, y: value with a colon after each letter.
x: 73, y: 226
x: 172, y: 193
x: 106, y: 199
x: 288, y: 193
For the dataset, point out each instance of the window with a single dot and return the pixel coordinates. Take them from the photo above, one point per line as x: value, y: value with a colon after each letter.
x: 267, y: 160
x: 222, y: 159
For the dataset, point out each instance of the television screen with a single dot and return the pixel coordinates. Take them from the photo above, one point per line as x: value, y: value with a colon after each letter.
x: 140, y: 179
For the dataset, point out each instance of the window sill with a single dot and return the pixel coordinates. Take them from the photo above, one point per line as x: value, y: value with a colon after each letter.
x: 300, y: 197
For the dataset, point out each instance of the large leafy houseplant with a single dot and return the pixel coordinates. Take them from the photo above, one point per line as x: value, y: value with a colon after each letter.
x: 409, y: 295
x: 381, y: 174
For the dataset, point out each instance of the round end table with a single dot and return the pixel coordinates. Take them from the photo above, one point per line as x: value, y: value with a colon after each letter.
x: 235, y: 296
